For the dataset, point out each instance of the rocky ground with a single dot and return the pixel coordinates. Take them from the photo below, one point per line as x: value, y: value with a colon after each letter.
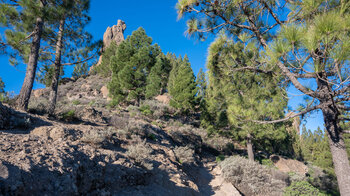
x: 93, y: 149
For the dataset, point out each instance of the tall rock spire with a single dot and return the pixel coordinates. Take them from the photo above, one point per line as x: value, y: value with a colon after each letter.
x: 112, y: 34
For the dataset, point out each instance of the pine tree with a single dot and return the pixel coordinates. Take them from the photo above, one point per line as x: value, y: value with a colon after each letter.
x: 182, y: 86
x: 24, y: 19
x: 248, y: 95
x: 312, y: 44
x: 75, y: 14
x: 202, y: 84
x: 158, y: 77
x: 104, y: 68
x: 2, y: 86
x: 130, y: 67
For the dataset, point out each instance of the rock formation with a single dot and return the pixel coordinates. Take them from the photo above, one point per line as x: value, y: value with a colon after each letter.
x: 112, y: 34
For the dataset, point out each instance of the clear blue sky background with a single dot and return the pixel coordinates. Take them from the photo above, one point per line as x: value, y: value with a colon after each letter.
x: 159, y: 19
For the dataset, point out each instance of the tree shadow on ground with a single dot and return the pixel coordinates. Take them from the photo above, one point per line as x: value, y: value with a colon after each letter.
x: 77, y: 173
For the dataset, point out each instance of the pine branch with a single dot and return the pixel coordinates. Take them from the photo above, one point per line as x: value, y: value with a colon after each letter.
x: 289, y: 117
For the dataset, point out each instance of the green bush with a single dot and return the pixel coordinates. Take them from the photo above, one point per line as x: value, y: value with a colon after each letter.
x: 151, y: 136
x: 220, y: 158
x: 76, y: 102
x: 302, y: 188
x: 146, y: 110
x: 268, y: 163
x: 69, y: 115
x: 91, y: 103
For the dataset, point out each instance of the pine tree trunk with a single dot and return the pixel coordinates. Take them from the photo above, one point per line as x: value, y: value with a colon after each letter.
x: 57, y: 65
x: 4, y: 116
x: 26, y: 90
x: 250, y: 147
x: 334, y: 133
x: 338, y: 150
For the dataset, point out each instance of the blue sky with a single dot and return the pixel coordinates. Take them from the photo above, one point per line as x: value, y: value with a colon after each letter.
x: 159, y: 19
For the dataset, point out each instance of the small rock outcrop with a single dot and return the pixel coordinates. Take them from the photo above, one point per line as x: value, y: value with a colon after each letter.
x: 289, y: 165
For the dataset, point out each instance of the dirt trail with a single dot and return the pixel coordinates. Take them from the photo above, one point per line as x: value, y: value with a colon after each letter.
x: 210, y: 182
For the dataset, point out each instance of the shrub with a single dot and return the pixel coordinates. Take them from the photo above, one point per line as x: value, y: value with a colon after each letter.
x: 76, y: 102
x: 142, y: 129
x: 159, y: 109
x: 123, y: 134
x: 151, y: 136
x: 220, y: 158
x: 99, y: 137
x: 302, y: 188
x: 322, y: 179
x: 175, y: 123
x: 268, y: 163
x: 157, y: 123
x: 250, y: 177
x: 295, y: 177
x: 185, y: 136
x: 140, y: 153
x: 184, y: 154
x: 137, y: 127
x: 69, y: 115
x: 91, y: 103
x: 222, y: 144
x: 38, y: 105
x: 8, y: 97
x: 146, y: 110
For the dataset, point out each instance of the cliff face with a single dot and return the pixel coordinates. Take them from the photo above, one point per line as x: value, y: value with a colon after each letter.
x: 112, y: 34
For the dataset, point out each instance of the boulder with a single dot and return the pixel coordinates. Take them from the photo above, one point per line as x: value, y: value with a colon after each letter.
x: 163, y: 98
x: 105, y: 92
x: 289, y: 165
x: 38, y: 93
x: 54, y: 133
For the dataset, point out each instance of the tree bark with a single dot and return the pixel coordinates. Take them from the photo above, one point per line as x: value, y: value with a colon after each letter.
x: 335, y: 138
x: 4, y: 116
x: 26, y: 90
x: 250, y: 147
x: 338, y: 150
x: 57, y: 66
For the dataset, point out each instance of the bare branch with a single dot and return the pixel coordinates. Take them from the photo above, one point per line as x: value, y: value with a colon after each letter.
x: 289, y: 117
x: 83, y: 61
x: 252, y: 69
x: 342, y: 107
x: 271, y: 12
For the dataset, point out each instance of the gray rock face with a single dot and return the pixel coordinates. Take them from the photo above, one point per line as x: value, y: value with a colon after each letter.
x: 114, y: 33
